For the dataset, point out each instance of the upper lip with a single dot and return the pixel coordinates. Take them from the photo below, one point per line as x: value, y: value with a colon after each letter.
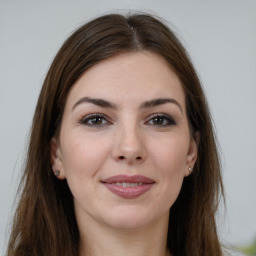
x: 128, y: 179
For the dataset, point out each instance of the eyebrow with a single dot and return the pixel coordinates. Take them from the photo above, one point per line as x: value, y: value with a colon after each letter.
x: 147, y: 104
x: 160, y: 101
x: 98, y: 102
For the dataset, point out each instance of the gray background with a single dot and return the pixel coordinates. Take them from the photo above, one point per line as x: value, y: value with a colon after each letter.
x: 220, y: 37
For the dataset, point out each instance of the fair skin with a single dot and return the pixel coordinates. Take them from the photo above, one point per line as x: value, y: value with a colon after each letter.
x: 140, y: 128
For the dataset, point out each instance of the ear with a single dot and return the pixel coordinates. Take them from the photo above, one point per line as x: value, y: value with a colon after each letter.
x: 192, y: 153
x: 56, y: 159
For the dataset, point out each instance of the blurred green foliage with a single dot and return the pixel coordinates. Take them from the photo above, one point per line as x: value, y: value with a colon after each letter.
x: 249, y: 250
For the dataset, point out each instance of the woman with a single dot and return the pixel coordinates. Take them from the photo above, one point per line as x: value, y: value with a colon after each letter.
x: 122, y: 157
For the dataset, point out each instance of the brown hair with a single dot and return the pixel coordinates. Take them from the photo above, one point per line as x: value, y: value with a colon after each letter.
x: 44, y: 222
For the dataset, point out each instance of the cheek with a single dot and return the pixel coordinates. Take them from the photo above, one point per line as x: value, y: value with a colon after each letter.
x: 170, y: 155
x: 83, y: 155
x: 170, y: 158
x: 171, y: 163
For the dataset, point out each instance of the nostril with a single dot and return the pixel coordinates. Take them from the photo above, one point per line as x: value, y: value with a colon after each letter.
x: 123, y: 157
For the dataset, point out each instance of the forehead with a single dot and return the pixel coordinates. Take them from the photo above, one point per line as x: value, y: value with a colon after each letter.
x: 129, y: 77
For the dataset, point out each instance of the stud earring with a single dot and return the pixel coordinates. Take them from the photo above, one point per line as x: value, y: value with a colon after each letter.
x: 57, y: 173
x: 190, y: 170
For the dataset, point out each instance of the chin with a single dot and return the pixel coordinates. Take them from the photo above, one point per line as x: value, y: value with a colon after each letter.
x: 128, y: 223
x: 130, y: 218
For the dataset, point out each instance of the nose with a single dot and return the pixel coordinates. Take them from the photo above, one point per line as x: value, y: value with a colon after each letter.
x: 129, y: 145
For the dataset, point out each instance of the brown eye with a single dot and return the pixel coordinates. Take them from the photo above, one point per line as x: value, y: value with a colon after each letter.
x: 161, y: 120
x: 95, y: 120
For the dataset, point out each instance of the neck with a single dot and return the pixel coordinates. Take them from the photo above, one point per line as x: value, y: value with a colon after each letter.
x: 98, y: 239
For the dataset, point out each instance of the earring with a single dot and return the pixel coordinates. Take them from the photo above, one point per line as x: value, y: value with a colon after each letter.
x: 57, y: 173
x: 190, y: 170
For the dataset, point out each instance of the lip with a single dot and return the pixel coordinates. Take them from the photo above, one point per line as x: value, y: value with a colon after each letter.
x: 128, y: 192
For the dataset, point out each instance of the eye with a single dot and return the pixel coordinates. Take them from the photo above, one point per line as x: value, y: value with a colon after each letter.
x: 161, y: 120
x: 95, y: 120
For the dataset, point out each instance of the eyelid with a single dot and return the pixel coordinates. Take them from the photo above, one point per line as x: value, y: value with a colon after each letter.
x: 84, y: 120
x: 170, y: 119
x: 87, y: 117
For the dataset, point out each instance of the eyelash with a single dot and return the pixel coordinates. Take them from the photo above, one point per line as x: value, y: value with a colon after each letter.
x: 168, y: 121
x: 85, y: 120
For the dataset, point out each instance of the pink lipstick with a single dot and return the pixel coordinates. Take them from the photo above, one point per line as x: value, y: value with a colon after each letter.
x: 128, y: 186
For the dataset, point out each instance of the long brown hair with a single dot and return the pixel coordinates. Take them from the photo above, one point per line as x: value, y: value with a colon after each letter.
x: 44, y: 222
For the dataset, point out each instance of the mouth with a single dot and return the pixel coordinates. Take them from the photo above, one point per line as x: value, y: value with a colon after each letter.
x: 128, y: 184
x: 128, y: 187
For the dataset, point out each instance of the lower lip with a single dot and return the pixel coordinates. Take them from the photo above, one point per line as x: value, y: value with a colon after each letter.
x: 129, y: 192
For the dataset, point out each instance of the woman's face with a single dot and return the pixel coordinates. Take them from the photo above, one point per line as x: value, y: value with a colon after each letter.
x: 125, y: 145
